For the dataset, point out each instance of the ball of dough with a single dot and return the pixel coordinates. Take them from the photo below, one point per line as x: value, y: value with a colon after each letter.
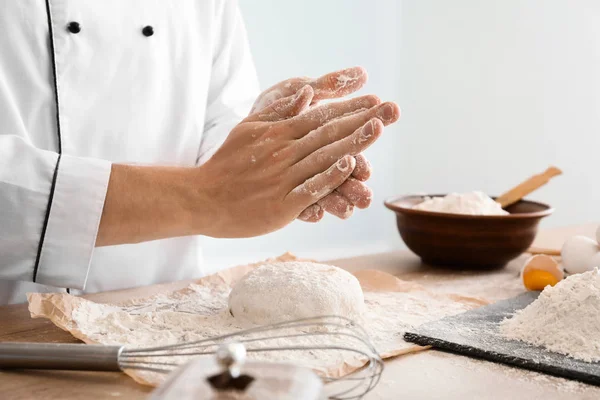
x: 580, y: 254
x: 285, y: 291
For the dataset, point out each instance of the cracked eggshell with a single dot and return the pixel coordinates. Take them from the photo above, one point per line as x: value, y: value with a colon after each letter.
x: 539, y: 271
x: 580, y: 254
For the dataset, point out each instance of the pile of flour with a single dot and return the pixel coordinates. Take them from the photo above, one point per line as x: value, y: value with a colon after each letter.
x: 564, y: 319
x: 473, y: 203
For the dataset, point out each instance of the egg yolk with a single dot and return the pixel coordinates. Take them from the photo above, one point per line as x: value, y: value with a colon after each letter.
x: 538, y: 280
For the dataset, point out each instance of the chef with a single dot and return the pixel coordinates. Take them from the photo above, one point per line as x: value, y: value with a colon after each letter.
x: 129, y: 128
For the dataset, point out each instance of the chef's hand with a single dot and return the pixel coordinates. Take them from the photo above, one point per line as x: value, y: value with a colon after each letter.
x: 265, y: 174
x: 269, y: 170
x: 353, y: 192
x: 331, y: 86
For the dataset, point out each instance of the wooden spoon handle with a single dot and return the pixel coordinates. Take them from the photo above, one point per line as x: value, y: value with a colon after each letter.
x: 523, y: 189
x: 541, y: 250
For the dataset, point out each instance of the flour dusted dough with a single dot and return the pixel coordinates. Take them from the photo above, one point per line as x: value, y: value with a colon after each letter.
x: 283, y: 291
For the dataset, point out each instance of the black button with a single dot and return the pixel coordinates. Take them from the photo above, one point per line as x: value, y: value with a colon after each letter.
x: 148, y: 31
x: 74, y: 27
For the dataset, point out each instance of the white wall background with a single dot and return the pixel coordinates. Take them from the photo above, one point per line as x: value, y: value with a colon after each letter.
x: 491, y: 92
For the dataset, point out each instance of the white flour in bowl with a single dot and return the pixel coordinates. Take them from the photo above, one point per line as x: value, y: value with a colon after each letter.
x: 564, y: 319
x: 473, y: 203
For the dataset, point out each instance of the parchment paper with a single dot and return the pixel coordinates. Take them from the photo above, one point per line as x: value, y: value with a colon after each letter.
x: 393, y: 305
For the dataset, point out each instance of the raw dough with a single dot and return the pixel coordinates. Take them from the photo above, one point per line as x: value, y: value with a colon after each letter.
x: 279, y: 292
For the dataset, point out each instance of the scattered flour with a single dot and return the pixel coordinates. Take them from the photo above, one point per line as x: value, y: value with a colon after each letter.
x: 344, y: 166
x: 565, y: 318
x: 316, y: 188
x: 342, y: 80
x: 201, y: 312
x: 365, y: 133
x: 363, y: 165
x: 337, y: 204
x: 522, y: 375
x: 473, y: 203
x: 311, y: 213
x: 266, y: 99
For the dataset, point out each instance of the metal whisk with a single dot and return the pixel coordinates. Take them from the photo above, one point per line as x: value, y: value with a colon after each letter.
x: 339, y: 334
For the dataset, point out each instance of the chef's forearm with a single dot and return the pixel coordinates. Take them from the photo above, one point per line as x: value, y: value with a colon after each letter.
x: 148, y: 203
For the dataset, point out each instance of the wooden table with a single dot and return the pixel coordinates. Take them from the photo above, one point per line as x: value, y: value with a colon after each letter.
x: 426, y: 375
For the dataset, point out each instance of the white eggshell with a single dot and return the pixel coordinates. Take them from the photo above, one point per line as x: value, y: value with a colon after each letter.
x: 598, y: 234
x: 580, y: 254
x: 542, y: 262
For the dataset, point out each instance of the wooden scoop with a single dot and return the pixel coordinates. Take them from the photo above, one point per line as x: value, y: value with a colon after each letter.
x: 523, y: 189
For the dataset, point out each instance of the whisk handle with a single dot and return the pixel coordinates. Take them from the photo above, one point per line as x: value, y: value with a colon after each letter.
x: 79, y: 357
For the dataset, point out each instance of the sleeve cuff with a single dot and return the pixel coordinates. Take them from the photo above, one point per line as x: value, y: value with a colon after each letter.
x: 213, y: 139
x: 73, y: 222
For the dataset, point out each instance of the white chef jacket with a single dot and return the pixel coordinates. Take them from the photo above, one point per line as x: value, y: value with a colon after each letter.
x: 85, y: 83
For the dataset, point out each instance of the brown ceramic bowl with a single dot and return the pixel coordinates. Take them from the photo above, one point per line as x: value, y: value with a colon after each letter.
x: 467, y: 241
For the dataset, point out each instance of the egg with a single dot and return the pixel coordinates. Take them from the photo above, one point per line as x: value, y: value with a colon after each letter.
x: 540, y: 271
x: 598, y: 235
x: 580, y: 254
